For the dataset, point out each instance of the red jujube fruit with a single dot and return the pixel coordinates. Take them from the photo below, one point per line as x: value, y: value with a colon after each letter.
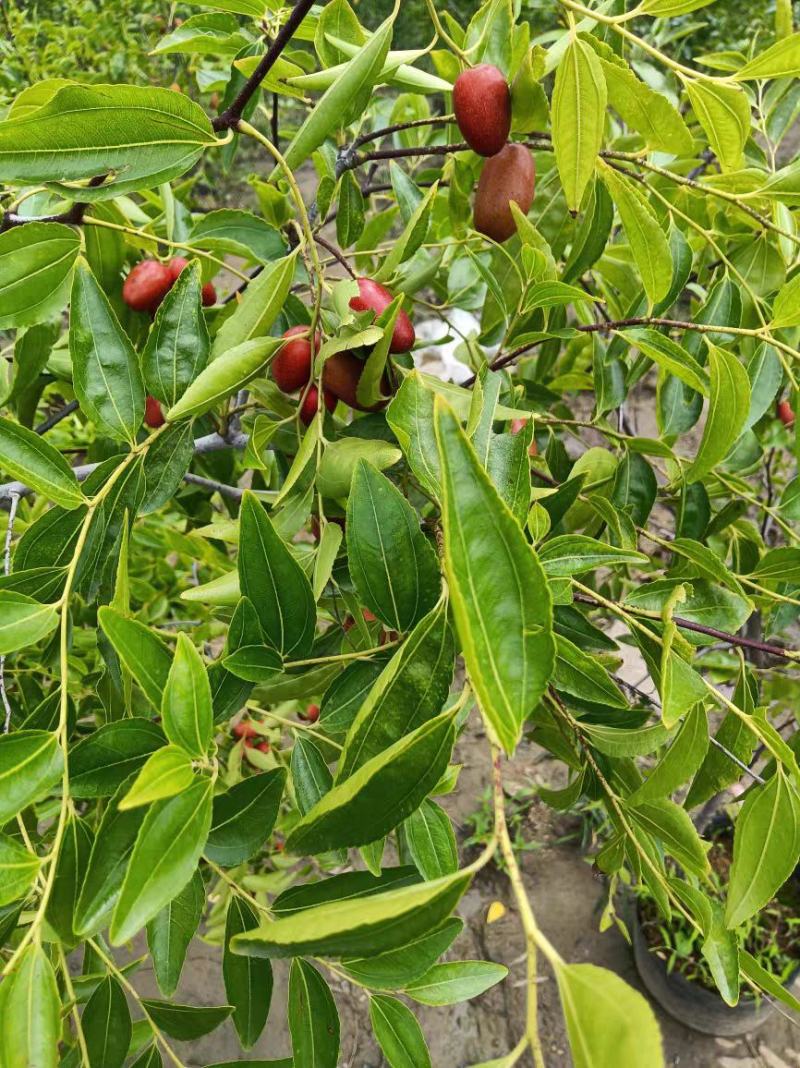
x: 785, y: 413
x: 208, y: 293
x: 146, y: 285
x: 508, y: 176
x: 153, y: 416
x: 372, y: 296
x: 340, y: 377
x: 482, y: 105
x: 308, y: 409
x: 291, y: 368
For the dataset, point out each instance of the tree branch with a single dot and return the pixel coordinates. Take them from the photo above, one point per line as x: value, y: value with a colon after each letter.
x: 229, y: 119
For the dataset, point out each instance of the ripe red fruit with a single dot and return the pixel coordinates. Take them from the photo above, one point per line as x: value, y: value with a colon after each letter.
x: 340, y: 376
x: 372, y: 296
x: 153, y: 416
x: 245, y: 730
x: 510, y: 175
x: 146, y: 285
x: 482, y: 105
x: 291, y: 368
x: 312, y: 714
x: 785, y: 413
x: 263, y: 747
x: 308, y: 409
x: 208, y: 293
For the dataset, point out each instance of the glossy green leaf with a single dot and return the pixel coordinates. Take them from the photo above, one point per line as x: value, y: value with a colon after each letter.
x: 30, y: 763
x: 448, y: 984
x: 766, y: 847
x: 170, y: 932
x: 248, y: 980
x: 165, y: 773
x: 398, y: 1033
x: 23, y: 621
x: 579, y: 112
x: 501, y: 602
x: 168, y: 847
x: 186, y: 1022
x: 365, y: 925
x: 673, y: 827
x: 140, y: 650
x: 259, y: 307
x: 411, y: 689
x: 728, y: 406
x: 608, y: 1022
x: 243, y: 818
x: 178, y: 345
x: 410, y: 415
x: 99, y: 763
x: 573, y: 554
x: 141, y: 135
x: 73, y: 860
x: 18, y: 869
x: 186, y: 711
x: 313, y: 1019
x: 165, y: 463
x: 396, y: 968
x: 780, y: 60
x: 33, y: 460
x: 105, y: 368
x: 30, y: 1022
x: 431, y: 841
x: 275, y: 583
x: 226, y: 374
x: 683, y: 758
x: 106, y: 1025
x: 380, y: 794
x: 36, y: 262
x: 341, y: 458
x: 724, y: 113
x: 392, y: 563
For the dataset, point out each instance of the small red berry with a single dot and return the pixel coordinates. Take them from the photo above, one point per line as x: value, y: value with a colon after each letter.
x: 153, y: 416
x: 785, y: 413
x: 375, y: 297
x: 312, y: 713
x: 146, y: 285
x: 208, y: 293
x: 263, y: 747
x: 291, y: 368
x: 245, y: 730
x: 308, y: 409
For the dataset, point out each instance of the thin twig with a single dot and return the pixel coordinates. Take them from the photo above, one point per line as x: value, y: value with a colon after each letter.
x: 12, y: 514
x: 56, y: 417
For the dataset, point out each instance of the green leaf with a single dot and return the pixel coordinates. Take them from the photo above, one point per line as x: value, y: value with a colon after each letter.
x: 625, y: 742
x: 398, y: 1033
x: 780, y: 60
x: 724, y: 113
x: 248, y: 981
x: 411, y: 689
x: 275, y: 583
x: 165, y: 463
x: 766, y: 847
x: 648, y: 242
x: 365, y: 925
x: 392, y: 563
x: 23, y: 621
x: 243, y: 818
x: 350, y: 213
x: 666, y: 9
x: 30, y: 1021
x: 501, y: 601
x: 683, y: 758
x: 579, y: 674
x: 431, y: 841
x: 168, y: 847
x: 671, y: 357
x: 235, y: 232
x: 785, y: 309
x: 36, y: 262
x: 259, y: 307
x: 673, y: 827
x: 341, y: 458
x: 166, y: 772
x: 186, y: 1022
x: 30, y: 763
x: 224, y: 376
x: 105, y: 368
x: 170, y: 932
x: 410, y: 415
x: 311, y: 776
x: 108, y: 862
x: 214, y: 34
x: 101, y: 761
x: 728, y: 407
x: 178, y: 345
x: 380, y: 794
x: 73, y: 859
x: 356, y: 79
x: 608, y: 1022
x: 579, y: 115
x: 186, y: 711
x: 140, y: 135
x: 573, y: 554
x: 448, y: 984
x: 142, y: 653
x: 33, y: 460
x: 18, y: 869
x: 396, y: 968
x: 106, y: 1025
x: 313, y: 1019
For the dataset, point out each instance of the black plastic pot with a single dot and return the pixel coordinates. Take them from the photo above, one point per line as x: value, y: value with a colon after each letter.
x: 693, y: 1005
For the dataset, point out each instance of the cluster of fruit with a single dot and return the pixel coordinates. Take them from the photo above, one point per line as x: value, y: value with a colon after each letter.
x: 482, y: 106
x: 293, y: 365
